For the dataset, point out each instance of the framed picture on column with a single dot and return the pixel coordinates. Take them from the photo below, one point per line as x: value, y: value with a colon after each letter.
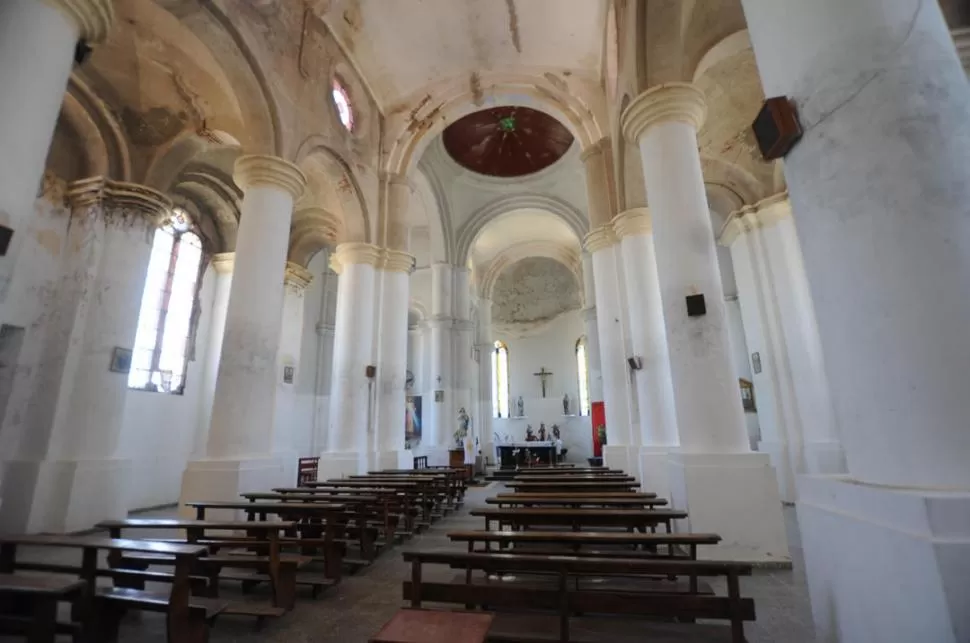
x: 412, y: 418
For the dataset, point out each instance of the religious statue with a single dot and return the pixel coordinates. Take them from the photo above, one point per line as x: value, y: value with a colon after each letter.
x: 555, y: 432
x: 565, y: 404
x: 520, y: 407
x: 530, y: 435
x: 542, y: 432
x: 463, y: 424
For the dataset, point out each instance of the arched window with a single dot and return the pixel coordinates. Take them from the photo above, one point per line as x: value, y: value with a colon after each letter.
x: 582, y: 367
x: 158, y: 361
x: 341, y: 100
x: 500, y: 380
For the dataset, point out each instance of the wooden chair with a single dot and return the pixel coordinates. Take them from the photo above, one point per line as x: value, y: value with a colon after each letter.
x: 39, y: 595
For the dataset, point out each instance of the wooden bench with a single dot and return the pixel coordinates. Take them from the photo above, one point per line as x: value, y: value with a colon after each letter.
x: 526, y: 500
x: 99, y: 610
x: 264, y: 563
x: 39, y: 594
x: 605, y: 477
x: 427, y: 498
x: 568, y: 486
x: 565, y: 471
x: 404, y: 505
x: 567, y: 598
x: 434, y: 626
x: 575, y: 543
x: 578, y: 494
x: 641, y: 519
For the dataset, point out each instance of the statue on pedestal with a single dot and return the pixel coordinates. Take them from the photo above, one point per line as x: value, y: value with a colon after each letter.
x: 542, y: 432
x: 520, y: 408
x: 530, y: 435
x: 565, y: 404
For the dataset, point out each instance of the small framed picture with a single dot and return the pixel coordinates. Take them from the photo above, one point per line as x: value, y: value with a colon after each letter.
x: 288, y: 372
x: 120, y: 360
x: 747, y: 394
x: 439, y: 396
x: 756, y: 362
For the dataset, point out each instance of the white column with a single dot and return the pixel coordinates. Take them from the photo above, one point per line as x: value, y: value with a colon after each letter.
x: 222, y: 272
x: 618, y: 453
x: 37, y: 39
x: 592, y: 332
x: 350, y: 432
x: 463, y: 342
x: 879, y: 186
x: 436, y: 439
x: 714, y: 459
x: 239, y: 451
x: 67, y: 469
x: 288, y: 372
x: 392, y: 363
x: 655, y: 391
x: 483, y: 352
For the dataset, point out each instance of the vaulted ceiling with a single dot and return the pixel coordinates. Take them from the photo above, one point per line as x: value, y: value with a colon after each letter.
x: 403, y: 45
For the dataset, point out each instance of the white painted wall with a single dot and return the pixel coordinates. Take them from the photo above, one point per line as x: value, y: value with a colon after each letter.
x: 555, y: 349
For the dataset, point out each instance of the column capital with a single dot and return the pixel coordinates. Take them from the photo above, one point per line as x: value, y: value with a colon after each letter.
x: 141, y: 199
x: 297, y: 276
x: 599, y: 238
x: 670, y: 102
x: 93, y: 17
x: 763, y: 214
x: 223, y: 262
x: 598, y: 147
x: 258, y: 169
x: 354, y: 252
x: 633, y: 221
x: 396, y: 261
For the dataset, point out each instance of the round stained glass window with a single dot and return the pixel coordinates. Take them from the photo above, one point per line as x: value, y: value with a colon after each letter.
x: 342, y: 101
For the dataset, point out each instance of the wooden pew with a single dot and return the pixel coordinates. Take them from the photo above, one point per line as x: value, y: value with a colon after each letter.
x: 606, y: 478
x: 567, y: 598
x: 428, y: 498
x: 567, y: 486
x: 677, y: 546
x: 566, y: 471
x: 442, y: 483
x: 317, y: 525
x: 404, y: 505
x: 579, y: 494
x: 99, y: 609
x: 272, y: 567
x: 455, y: 477
x: 577, y: 519
x: 39, y: 594
x: 524, y: 500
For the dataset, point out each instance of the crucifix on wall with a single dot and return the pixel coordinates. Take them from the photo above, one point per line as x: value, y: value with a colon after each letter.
x: 543, y: 374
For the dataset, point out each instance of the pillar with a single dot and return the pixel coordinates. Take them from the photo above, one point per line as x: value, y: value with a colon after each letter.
x: 592, y: 332
x: 654, y: 386
x: 879, y: 187
x: 441, y: 412
x: 295, y: 281
x: 619, y: 452
x: 221, y: 264
x: 350, y: 432
x: 392, y: 363
x: 463, y: 341
x: 483, y: 352
x: 714, y: 458
x: 37, y: 39
x: 239, y: 450
x: 66, y: 472
x: 600, y: 244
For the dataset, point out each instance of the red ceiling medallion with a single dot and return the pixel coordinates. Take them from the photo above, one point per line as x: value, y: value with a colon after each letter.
x: 506, y: 141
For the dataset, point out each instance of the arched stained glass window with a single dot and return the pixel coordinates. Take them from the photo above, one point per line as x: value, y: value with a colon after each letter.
x: 159, y: 359
x: 582, y: 367
x: 341, y: 100
x: 500, y: 380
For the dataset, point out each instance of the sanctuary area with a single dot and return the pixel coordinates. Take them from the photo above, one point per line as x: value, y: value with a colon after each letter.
x: 464, y: 320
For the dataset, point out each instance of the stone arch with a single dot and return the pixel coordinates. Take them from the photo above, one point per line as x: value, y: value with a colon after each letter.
x: 313, y: 229
x: 477, y: 222
x: 333, y: 187
x: 98, y: 133
x: 428, y: 186
x: 517, y: 252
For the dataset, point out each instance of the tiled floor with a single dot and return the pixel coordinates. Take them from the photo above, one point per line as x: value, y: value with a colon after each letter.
x: 356, y: 609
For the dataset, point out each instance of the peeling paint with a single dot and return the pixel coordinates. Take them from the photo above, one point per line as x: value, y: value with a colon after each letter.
x: 475, y: 84
x: 514, y: 25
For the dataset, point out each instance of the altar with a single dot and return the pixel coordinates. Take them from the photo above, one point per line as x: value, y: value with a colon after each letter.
x: 512, y: 455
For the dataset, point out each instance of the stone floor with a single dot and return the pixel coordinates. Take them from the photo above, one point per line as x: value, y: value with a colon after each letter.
x: 356, y: 609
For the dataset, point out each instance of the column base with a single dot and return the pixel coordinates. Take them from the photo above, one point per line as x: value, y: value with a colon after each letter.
x: 781, y: 460
x: 824, y: 458
x: 60, y: 496
x: 624, y: 458
x: 341, y: 464
x: 218, y: 479
x: 653, y: 470
x: 735, y: 496
x: 885, y: 564
x: 380, y: 460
